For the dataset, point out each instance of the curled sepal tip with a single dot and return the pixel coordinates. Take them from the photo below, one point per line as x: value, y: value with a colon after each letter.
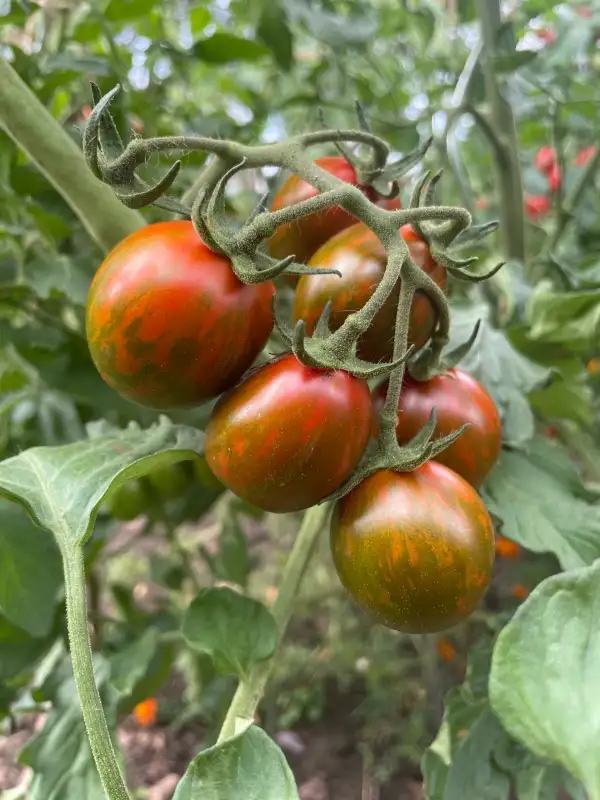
x: 456, y: 355
x: 91, y: 134
x: 151, y: 194
x: 397, y: 169
x: 110, y: 140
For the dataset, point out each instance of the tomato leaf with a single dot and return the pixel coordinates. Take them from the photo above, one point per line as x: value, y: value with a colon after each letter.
x: 129, y: 665
x: 571, y: 318
x: 62, y: 487
x: 30, y: 572
x: 234, y: 630
x: 506, y: 374
x: 220, y: 48
x: 543, y: 683
x: 539, y: 498
x: 249, y: 766
x: 60, y: 754
x: 273, y: 31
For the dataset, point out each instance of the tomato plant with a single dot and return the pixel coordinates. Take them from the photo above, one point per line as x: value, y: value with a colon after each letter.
x: 458, y: 399
x: 128, y: 501
x: 289, y: 435
x: 168, y: 322
x: 360, y: 257
x: 304, y: 236
x: 415, y: 550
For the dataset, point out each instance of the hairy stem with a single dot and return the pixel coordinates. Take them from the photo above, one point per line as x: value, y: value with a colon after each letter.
x: 506, y: 150
x: 83, y: 669
x: 250, y: 690
x: 31, y: 126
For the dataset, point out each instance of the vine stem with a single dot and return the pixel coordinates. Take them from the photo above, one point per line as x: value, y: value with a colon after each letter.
x: 506, y: 150
x: 31, y: 126
x: 250, y: 690
x: 83, y: 670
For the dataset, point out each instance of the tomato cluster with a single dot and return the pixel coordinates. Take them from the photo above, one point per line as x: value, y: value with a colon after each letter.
x: 169, y: 324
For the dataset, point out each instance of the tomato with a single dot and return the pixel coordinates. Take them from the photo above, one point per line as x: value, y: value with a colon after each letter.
x: 170, y: 481
x: 554, y: 178
x: 168, y: 323
x: 289, y: 435
x: 536, y: 205
x: 359, y: 255
x: 127, y: 502
x: 545, y: 158
x: 583, y: 156
x: 304, y: 236
x: 458, y: 399
x: 414, y: 549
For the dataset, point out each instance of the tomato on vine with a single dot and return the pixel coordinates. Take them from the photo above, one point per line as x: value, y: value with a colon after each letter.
x: 170, y: 481
x: 458, y: 399
x: 304, y: 236
x: 415, y: 550
x: 168, y: 323
x: 361, y: 258
x: 289, y: 435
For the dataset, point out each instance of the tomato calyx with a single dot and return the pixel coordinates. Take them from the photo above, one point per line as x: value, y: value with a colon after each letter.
x: 431, y: 361
x: 323, y: 350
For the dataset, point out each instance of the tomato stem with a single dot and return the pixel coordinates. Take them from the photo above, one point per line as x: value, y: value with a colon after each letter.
x: 83, y: 670
x: 34, y: 130
x: 250, y: 690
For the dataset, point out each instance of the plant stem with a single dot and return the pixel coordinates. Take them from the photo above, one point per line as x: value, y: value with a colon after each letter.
x: 83, y: 669
x: 31, y: 126
x: 506, y: 153
x: 250, y: 690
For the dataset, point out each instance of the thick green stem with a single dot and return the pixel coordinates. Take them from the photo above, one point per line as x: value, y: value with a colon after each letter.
x: 83, y: 669
x: 389, y: 415
x: 507, y: 154
x: 250, y: 690
x: 34, y: 130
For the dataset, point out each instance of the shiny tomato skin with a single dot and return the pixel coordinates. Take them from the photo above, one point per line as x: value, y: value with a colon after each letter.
x: 458, y: 399
x: 168, y: 323
x: 289, y: 435
x: 304, y: 236
x: 414, y: 549
x: 359, y: 255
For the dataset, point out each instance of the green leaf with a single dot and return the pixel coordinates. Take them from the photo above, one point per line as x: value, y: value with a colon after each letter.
x: 571, y: 318
x: 336, y: 30
x: 538, y: 496
x: 232, y: 561
x: 19, y: 652
x: 62, y: 487
x: 473, y: 772
x: 199, y: 19
x: 60, y: 754
x: 249, y: 766
x: 273, y: 31
x: 544, y: 681
x: 506, y: 374
x: 30, y: 572
x: 221, y: 48
x: 129, y: 665
x: 565, y: 398
x: 512, y: 62
x: 127, y: 10
x: 236, y: 631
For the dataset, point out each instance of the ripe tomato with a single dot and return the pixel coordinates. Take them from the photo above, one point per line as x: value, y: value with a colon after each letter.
x: 168, y: 323
x: 545, y: 158
x: 583, y: 156
x: 458, y: 399
x: 536, y: 205
x: 304, y: 236
x: 554, y: 178
x: 359, y: 255
x: 414, y: 549
x: 288, y: 435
